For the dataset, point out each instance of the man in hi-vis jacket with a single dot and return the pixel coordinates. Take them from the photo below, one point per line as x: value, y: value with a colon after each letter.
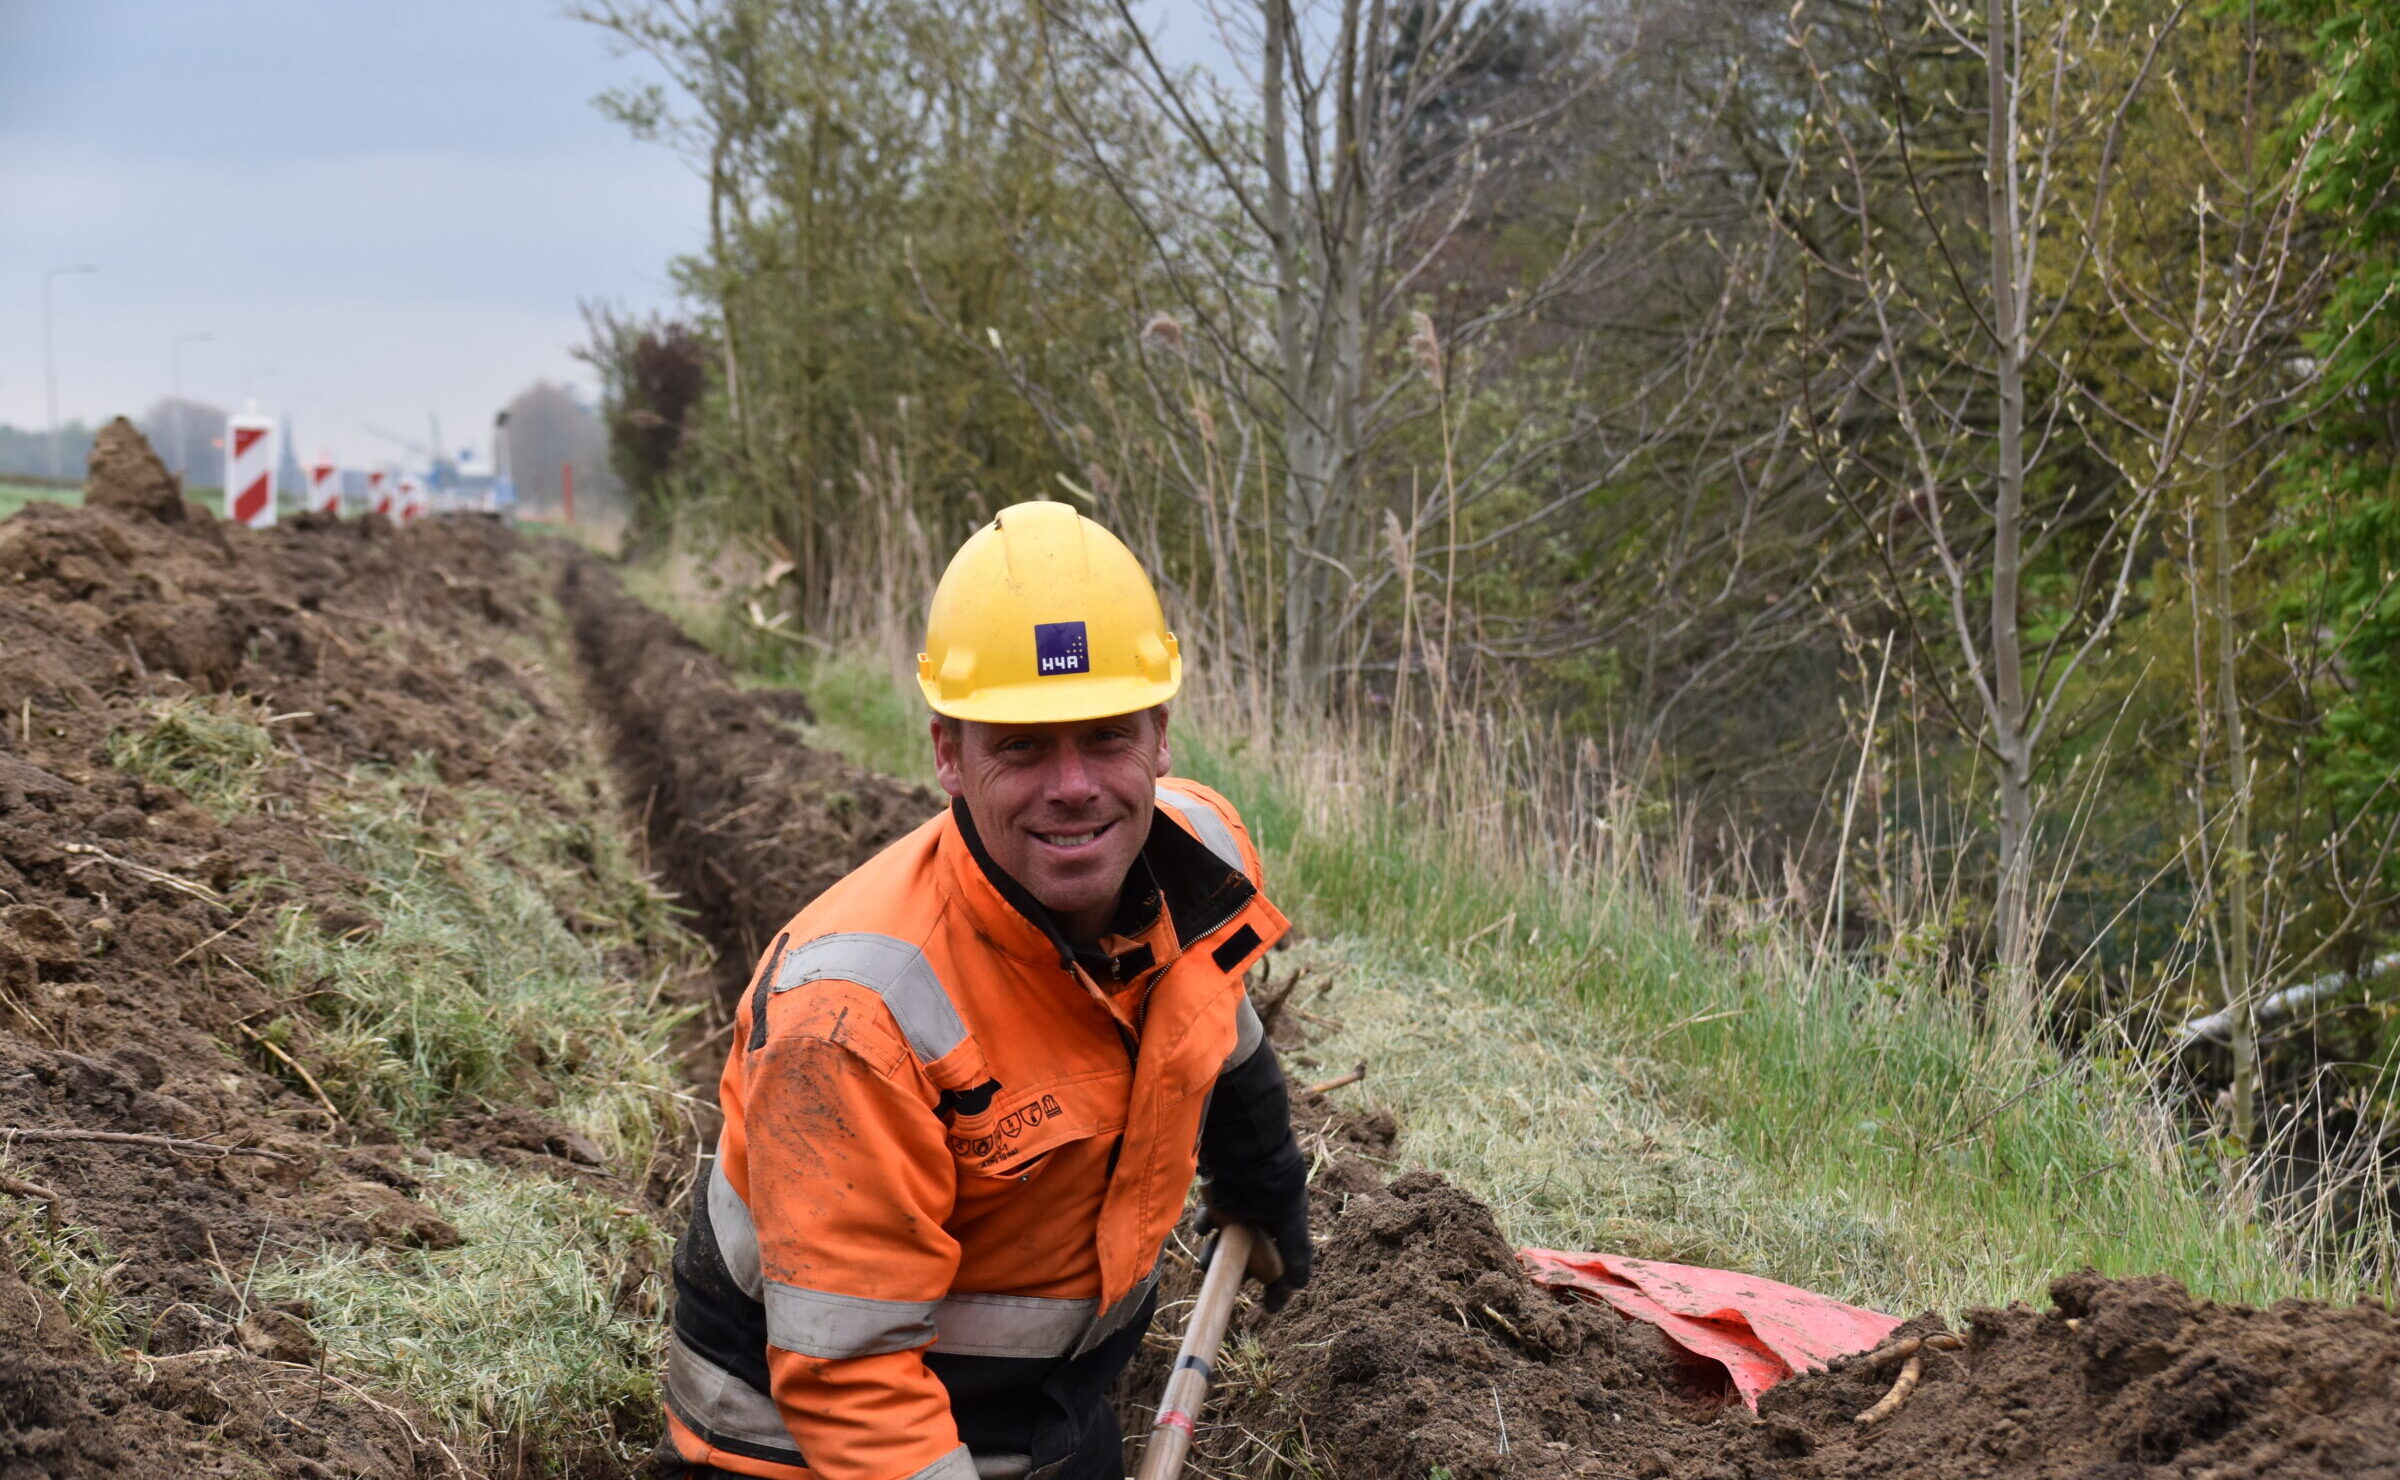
x: 970, y: 1084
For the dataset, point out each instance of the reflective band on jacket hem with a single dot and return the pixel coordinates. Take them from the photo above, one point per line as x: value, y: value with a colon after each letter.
x: 956, y: 1465
x: 892, y: 969
x: 737, y: 1235
x: 1249, y: 1033
x: 1010, y: 1325
x: 1113, y: 1319
x: 717, y: 1406
x: 1205, y: 821
x: 819, y: 1323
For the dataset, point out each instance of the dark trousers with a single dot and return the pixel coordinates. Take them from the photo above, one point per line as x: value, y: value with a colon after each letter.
x: 1055, y: 1412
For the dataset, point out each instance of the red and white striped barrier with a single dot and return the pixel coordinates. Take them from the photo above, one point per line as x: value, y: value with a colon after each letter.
x: 412, y: 497
x: 379, y: 492
x: 325, y: 486
x: 250, y: 470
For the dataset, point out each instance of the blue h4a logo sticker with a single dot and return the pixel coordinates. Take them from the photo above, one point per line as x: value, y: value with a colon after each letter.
x: 1060, y: 647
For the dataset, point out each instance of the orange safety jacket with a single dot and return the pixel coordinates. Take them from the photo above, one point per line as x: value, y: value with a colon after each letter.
x: 952, y: 1152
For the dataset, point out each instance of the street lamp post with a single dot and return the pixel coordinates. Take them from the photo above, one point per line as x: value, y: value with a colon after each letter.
x: 50, y: 355
x: 183, y: 411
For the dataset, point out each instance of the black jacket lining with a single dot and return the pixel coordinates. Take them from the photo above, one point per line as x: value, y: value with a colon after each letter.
x: 1199, y: 890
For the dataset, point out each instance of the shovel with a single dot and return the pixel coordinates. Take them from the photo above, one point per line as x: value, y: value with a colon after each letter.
x: 1187, y: 1386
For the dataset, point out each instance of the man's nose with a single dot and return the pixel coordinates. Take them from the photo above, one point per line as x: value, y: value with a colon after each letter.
x: 1070, y: 780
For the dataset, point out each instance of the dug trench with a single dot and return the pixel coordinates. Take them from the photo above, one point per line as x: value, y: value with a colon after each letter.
x: 231, y: 760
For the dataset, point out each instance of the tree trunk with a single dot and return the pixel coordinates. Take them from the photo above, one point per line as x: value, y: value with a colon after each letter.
x: 2014, y: 897
x: 2234, y: 857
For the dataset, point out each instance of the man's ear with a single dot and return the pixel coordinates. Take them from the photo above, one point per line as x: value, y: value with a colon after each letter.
x: 1166, y: 758
x: 949, y: 741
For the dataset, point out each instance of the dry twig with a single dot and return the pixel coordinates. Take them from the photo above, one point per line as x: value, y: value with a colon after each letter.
x: 1339, y: 1080
x: 54, y: 1207
x: 297, y: 1067
x: 143, y: 872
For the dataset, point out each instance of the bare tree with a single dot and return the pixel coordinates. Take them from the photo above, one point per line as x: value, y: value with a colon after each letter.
x: 1297, y: 218
x: 1945, y: 410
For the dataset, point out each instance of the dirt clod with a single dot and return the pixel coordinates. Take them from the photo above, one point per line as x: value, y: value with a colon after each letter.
x: 127, y: 477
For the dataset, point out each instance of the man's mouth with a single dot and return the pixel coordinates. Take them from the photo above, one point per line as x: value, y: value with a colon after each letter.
x: 1071, y: 840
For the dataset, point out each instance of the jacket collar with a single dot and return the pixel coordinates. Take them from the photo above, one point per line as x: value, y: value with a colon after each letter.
x: 1174, y: 871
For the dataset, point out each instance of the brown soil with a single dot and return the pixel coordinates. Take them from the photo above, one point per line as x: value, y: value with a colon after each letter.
x: 2119, y: 1380
x: 132, y: 932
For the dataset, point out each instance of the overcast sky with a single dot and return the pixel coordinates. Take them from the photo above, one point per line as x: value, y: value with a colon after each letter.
x: 380, y: 210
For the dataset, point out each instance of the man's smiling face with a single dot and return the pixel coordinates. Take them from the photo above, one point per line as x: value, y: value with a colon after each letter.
x: 1062, y: 808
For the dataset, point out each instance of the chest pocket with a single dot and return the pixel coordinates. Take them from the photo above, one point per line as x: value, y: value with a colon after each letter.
x: 1017, y: 1129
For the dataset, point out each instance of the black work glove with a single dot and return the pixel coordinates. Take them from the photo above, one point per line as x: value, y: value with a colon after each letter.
x: 1256, y: 1174
x: 1268, y: 1264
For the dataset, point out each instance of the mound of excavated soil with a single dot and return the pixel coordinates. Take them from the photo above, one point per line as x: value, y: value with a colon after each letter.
x: 126, y: 967
x: 747, y: 823
x: 2119, y: 1380
x: 1422, y: 1349
x: 133, y: 928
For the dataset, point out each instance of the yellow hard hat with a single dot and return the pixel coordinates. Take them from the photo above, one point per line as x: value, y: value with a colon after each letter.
x: 1044, y: 616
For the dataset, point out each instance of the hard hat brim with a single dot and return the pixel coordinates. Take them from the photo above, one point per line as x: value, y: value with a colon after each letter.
x: 1055, y: 700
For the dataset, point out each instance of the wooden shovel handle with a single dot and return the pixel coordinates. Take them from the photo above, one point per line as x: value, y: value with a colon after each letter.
x: 1187, y: 1386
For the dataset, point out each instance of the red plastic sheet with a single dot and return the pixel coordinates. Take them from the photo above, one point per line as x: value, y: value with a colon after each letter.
x: 1759, y: 1331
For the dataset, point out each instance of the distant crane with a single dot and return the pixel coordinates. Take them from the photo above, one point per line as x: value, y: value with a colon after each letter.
x: 440, y: 469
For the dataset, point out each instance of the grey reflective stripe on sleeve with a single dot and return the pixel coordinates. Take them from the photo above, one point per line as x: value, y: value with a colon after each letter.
x: 819, y: 1323
x: 716, y: 1405
x: 892, y: 969
x: 956, y: 1465
x: 1114, y: 1318
x: 737, y: 1236
x: 1208, y: 824
x: 1249, y: 1033
x: 1003, y: 1466
x: 1010, y: 1325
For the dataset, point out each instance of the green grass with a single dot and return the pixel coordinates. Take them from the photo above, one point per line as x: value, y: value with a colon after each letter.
x: 1577, y: 1053
x: 15, y: 496
x: 216, y: 750
x: 516, y: 1331
x: 492, y: 971
x: 73, y: 1264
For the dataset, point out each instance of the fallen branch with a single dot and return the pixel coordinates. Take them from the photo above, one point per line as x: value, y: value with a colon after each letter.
x: 176, y: 1144
x: 1910, y: 1371
x: 1339, y: 1081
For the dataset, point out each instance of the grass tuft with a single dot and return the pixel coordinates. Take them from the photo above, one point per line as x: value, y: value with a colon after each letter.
x: 216, y: 750
x: 73, y: 1264
x: 516, y: 1331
